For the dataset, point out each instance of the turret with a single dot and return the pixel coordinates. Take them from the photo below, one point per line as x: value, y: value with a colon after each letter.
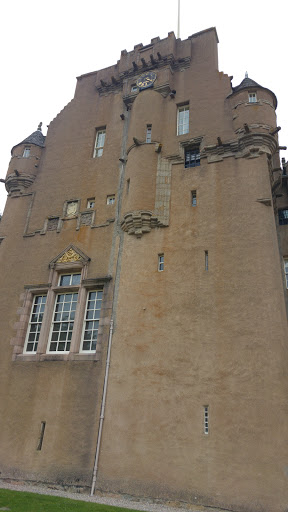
x: 24, y: 162
x: 253, y: 106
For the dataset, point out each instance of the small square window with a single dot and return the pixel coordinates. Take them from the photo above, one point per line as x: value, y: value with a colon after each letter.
x: 283, y: 216
x: 192, y: 157
x: 99, y: 143
x: 160, y: 262
x: 252, y: 97
x: 91, y: 202
x: 110, y: 199
x: 183, y: 120
x: 26, y: 152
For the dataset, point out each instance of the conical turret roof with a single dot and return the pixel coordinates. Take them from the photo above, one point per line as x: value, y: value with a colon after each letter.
x: 248, y: 83
x: 36, y: 138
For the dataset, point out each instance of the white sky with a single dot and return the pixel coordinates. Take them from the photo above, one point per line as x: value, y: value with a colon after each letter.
x: 45, y: 45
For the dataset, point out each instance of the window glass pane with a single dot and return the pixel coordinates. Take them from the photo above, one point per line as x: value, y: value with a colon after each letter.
x: 65, y: 280
x: 76, y: 279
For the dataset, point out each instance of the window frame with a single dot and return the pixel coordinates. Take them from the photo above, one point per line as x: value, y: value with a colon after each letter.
x: 252, y: 97
x: 192, y: 151
x: 285, y: 265
x: 110, y: 199
x: 148, y: 133
x: 183, y: 127
x: 26, y: 152
x: 206, y: 420
x: 99, y: 144
x: 161, y: 262
x: 194, y: 198
x: 90, y: 203
x: 85, y: 320
x: 283, y: 219
x: 29, y: 331
x: 73, y: 290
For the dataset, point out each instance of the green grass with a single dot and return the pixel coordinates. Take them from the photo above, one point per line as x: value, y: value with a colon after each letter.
x: 17, y: 501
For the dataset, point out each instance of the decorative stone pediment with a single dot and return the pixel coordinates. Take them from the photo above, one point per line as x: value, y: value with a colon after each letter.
x: 70, y: 255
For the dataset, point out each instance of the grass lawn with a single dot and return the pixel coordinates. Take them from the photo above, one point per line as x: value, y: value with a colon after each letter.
x: 17, y: 501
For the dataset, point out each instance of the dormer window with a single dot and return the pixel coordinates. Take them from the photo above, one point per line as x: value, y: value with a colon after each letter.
x: 252, y: 96
x: 26, y: 152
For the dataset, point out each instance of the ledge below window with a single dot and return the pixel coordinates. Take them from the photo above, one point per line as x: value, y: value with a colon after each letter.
x: 57, y: 357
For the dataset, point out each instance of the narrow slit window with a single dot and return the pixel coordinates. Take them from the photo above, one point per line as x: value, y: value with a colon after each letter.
x: 160, y: 262
x: 148, y: 133
x: 193, y: 198
x: 35, y: 323
x: 127, y: 185
x: 206, y: 260
x: 286, y: 270
x: 206, y: 419
x: 41, y: 437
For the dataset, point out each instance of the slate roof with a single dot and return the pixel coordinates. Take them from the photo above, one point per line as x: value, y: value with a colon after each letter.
x: 248, y: 83
x: 36, y: 138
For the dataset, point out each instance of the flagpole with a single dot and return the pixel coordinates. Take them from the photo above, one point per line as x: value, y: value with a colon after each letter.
x: 178, y: 28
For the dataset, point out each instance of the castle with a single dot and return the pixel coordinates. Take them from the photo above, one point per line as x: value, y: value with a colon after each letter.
x: 144, y: 258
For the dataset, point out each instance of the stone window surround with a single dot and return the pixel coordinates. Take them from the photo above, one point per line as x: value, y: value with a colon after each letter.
x: 53, y: 289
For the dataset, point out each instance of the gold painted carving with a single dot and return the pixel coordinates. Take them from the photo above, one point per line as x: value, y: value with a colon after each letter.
x: 69, y: 256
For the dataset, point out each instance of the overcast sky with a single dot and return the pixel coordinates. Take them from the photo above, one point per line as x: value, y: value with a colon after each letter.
x: 45, y: 45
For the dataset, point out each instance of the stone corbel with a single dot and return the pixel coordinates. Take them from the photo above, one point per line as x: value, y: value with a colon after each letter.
x: 139, y: 222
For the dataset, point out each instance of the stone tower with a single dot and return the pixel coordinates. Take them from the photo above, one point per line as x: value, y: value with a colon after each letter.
x: 144, y: 251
